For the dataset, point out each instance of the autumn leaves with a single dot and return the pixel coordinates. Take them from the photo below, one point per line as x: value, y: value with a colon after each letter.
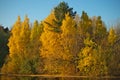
x: 62, y: 43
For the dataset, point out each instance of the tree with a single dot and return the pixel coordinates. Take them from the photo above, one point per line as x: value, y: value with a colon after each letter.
x: 114, y: 42
x: 4, y: 35
x: 63, y: 43
x: 91, y: 61
x: 69, y: 42
x: 58, y: 55
x: 50, y: 24
x: 86, y: 25
x: 35, y: 45
x: 50, y: 45
x: 60, y: 12
x: 13, y: 44
x: 20, y: 59
x: 99, y: 30
x: 36, y: 31
x: 14, y: 38
x: 112, y: 36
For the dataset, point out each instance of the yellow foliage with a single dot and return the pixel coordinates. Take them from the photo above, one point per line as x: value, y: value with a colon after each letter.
x: 62, y: 45
x: 34, y: 31
x: 18, y: 44
x: 58, y: 46
x: 86, y: 51
x: 15, y: 37
x: 49, y: 23
x: 69, y: 35
x: 68, y: 25
x: 112, y: 36
x: 25, y: 31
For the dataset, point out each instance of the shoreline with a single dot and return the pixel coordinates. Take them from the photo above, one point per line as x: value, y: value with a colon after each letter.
x: 55, y: 76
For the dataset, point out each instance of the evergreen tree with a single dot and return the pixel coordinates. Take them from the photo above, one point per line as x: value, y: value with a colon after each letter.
x: 4, y: 35
x: 60, y: 12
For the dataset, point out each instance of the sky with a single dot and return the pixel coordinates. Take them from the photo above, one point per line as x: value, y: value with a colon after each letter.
x: 109, y: 10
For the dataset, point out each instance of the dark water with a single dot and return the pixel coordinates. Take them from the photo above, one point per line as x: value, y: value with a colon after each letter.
x: 51, y: 78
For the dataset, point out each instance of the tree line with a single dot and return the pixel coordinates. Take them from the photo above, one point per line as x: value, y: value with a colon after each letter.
x: 63, y: 43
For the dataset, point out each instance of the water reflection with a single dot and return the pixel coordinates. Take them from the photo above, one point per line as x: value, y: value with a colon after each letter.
x: 51, y: 78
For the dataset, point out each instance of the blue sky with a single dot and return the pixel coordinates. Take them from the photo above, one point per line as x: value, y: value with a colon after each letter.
x: 109, y: 10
